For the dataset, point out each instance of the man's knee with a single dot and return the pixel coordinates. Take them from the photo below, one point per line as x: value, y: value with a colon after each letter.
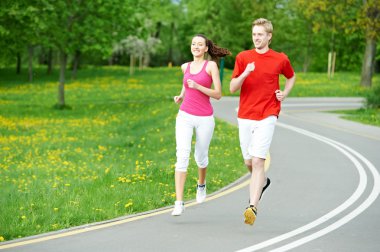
x: 248, y: 164
x: 258, y: 163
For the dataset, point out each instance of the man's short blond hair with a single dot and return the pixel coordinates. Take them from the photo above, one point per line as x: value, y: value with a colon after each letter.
x: 265, y: 23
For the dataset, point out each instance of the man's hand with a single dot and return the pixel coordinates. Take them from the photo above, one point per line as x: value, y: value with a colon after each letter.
x: 280, y: 95
x: 250, y: 67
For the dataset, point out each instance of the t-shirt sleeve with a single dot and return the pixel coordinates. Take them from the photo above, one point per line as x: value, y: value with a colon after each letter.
x: 238, y: 67
x: 287, y: 69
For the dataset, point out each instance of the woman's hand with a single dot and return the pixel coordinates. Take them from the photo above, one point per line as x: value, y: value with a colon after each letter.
x: 192, y: 84
x: 178, y: 99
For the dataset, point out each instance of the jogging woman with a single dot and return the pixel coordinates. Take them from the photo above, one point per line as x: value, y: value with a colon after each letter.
x: 200, y: 82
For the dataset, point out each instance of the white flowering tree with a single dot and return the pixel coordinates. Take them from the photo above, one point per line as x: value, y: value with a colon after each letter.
x: 137, y: 48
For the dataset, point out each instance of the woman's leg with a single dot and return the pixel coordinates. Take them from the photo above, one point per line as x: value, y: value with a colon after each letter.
x: 184, y: 133
x: 204, y: 131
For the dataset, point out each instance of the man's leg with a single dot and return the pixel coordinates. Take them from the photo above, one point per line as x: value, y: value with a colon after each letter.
x: 262, y: 133
x: 257, y: 180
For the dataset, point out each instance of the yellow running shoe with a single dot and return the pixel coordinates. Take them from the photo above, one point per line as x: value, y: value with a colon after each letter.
x: 250, y: 215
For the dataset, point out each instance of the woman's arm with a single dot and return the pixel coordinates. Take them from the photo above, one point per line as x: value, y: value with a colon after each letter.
x: 179, y: 98
x: 215, y: 93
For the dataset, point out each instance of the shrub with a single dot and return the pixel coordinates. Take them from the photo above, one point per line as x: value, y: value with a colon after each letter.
x: 373, y: 97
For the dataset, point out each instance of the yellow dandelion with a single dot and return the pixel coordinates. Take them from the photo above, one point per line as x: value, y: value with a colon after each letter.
x: 102, y: 148
x: 128, y: 204
x: 2, y: 239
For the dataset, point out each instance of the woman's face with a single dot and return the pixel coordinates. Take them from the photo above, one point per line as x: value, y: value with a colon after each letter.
x: 198, y: 46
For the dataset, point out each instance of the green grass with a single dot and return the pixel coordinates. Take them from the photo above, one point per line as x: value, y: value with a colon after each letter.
x: 112, y: 154
x: 366, y: 116
x: 318, y: 85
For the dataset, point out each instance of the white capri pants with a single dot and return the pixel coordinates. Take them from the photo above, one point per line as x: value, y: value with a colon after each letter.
x: 256, y: 136
x: 204, y: 128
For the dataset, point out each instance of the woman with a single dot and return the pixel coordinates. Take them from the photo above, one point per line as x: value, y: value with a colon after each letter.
x: 196, y: 113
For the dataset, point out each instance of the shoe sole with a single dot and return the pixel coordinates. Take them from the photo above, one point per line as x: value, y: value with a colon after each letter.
x: 249, y: 216
x: 264, y: 188
x: 178, y: 214
x: 200, y: 199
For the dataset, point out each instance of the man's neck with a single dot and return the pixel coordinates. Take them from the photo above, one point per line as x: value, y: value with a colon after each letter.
x: 262, y: 50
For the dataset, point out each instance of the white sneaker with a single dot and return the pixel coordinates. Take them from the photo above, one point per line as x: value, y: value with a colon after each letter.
x: 179, y: 208
x: 201, y: 193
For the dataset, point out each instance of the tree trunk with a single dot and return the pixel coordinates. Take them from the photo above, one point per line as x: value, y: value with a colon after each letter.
x: 132, y: 65
x: 170, y: 51
x: 49, y: 61
x: 307, y: 59
x: 140, y: 62
x: 110, y: 60
x: 30, y: 63
x: 18, y: 64
x: 368, y: 62
x: 146, y: 60
x: 76, y: 63
x: 61, y: 86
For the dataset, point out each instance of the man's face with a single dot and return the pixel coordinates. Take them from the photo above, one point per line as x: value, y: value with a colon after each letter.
x: 260, y: 37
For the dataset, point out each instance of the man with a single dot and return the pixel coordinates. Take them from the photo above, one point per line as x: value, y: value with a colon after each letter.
x: 256, y: 75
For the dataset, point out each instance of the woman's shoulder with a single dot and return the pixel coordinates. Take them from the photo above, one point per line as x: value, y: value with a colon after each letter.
x: 211, y: 64
x: 184, y: 66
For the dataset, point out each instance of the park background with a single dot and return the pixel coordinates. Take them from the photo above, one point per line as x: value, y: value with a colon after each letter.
x: 86, y: 111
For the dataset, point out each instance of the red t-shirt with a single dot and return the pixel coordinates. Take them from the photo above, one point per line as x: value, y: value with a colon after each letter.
x: 257, y: 94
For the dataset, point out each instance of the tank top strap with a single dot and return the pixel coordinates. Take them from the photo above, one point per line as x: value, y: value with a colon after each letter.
x: 204, y: 66
x: 188, y: 67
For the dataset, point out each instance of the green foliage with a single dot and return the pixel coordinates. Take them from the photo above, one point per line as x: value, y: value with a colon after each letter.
x: 305, y: 30
x: 373, y: 97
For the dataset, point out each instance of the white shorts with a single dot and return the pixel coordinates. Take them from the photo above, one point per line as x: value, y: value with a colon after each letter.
x: 256, y: 136
x: 204, y: 129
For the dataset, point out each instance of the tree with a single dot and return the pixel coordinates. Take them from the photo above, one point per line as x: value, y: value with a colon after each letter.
x: 137, y: 48
x: 370, y: 20
x: 21, y: 26
x: 80, y: 25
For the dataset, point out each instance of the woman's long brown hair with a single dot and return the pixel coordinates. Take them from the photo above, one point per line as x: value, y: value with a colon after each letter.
x: 214, y: 51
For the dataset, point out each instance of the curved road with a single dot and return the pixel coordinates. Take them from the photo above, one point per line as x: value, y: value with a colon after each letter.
x: 323, y: 196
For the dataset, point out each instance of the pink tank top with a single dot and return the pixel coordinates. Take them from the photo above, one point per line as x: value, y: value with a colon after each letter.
x: 195, y: 102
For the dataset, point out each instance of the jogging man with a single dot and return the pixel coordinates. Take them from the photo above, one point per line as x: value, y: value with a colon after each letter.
x: 256, y: 75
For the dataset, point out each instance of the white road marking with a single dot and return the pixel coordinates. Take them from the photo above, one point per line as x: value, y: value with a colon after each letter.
x: 327, y: 104
x: 347, y: 151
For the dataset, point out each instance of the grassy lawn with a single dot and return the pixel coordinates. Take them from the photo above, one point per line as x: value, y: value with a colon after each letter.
x: 318, y: 85
x: 366, y: 116
x: 113, y: 153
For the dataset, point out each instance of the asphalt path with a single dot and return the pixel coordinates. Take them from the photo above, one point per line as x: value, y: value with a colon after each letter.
x: 323, y: 196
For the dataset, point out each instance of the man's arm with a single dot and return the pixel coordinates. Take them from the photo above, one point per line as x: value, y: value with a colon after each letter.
x: 237, y: 82
x: 281, y: 95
